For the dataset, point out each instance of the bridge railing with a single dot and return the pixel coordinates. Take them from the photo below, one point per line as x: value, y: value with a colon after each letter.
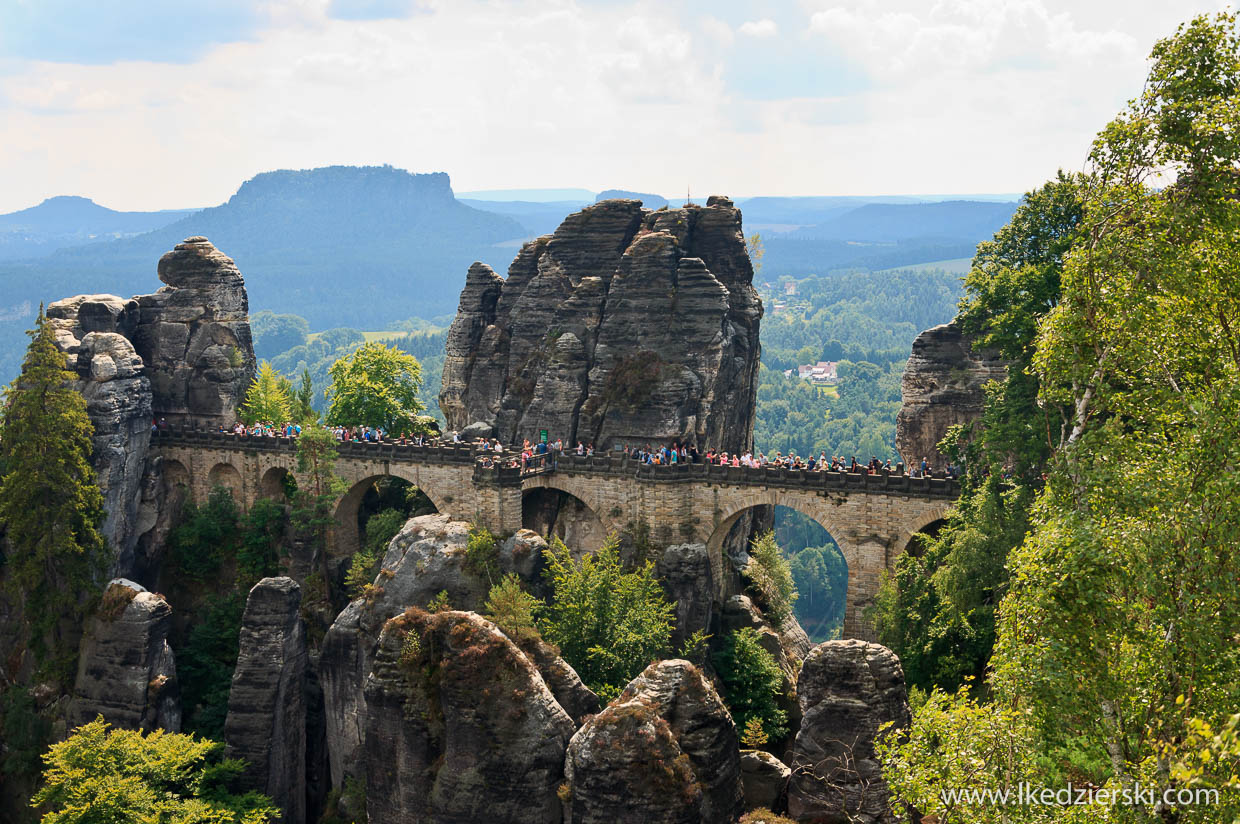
x: 366, y: 450
x: 883, y: 481
x: 892, y: 481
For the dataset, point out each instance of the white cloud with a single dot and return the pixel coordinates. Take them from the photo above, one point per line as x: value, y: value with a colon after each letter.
x: 765, y: 27
x: 956, y: 95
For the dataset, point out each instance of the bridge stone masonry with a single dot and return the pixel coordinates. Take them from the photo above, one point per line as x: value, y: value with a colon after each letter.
x: 871, y: 517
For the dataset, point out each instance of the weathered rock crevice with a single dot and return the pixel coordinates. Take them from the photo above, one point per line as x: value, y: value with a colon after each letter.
x: 552, y: 346
x: 942, y: 387
x: 182, y: 354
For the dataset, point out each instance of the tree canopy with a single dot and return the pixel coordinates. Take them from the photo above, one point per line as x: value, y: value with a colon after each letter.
x: 100, y: 775
x: 1115, y: 655
x: 268, y: 398
x: 50, y: 504
x: 376, y: 386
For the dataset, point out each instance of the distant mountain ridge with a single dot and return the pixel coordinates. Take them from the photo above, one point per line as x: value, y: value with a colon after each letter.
x: 365, y: 247
x: 891, y: 222
x: 337, y: 245
x: 69, y: 220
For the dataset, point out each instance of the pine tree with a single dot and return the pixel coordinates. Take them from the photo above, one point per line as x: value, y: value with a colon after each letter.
x: 268, y: 398
x: 50, y: 503
x: 303, y: 400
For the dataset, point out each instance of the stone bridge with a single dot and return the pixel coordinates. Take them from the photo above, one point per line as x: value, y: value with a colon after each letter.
x: 871, y: 517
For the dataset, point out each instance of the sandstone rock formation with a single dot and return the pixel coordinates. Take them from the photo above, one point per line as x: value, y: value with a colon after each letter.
x: 426, y: 557
x: 687, y: 578
x: 942, y: 387
x: 625, y: 325
x: 664, y: 751
x: 194, y: 336
x: 266, y: 723
x: 460, y: 726
x: 126, y: 670
x: 90, y: 330
x: 847, y: 690
x: 183, y: 354
x: 765, y: 779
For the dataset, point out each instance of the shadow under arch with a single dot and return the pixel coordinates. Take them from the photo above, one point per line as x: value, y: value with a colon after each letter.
x: 549, y: 510
x: 348, y: 532
x: 175, y: 474
x: 229, y: 477
x: 275, y: 483
x: 915, y: 544
x: 815, y: 554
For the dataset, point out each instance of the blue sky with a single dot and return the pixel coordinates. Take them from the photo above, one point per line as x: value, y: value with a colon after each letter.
x: 170, y: 103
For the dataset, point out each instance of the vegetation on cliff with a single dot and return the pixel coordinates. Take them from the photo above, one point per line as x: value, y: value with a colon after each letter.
x: 100, y: 774
x: 608, y: 623
x: 1115, y: 638
x: 50, y: 505
x: 937, y: 611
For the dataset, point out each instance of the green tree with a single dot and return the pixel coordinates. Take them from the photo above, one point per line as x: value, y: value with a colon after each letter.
x: 100, y: 775
x: 753, y: 245
x: 513, y: 609
x: 608, y: 623
x: 376, y: 386
x: 303, y: 400
x: 937, y: 609
x: 1127, y: 594
x: 49, y: 501
x: 268, y: 398
x: 313, y: 502
x: 771, y: 578
x: 752, y: 683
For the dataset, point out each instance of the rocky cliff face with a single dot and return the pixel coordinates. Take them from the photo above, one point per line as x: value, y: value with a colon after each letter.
x: 126, y: 670
x: 461, y: 726
x: 194, y: 336
x: 266, y: 723
x: 426, y: 557
x: 847, y: 690
x: 664, y: 751
x: 183, y: 353
x: 942, y: 387
x: 91, y: 330
x: 625, y: 325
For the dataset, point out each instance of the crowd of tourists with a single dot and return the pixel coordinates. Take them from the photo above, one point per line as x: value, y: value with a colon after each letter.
x: 678, y: 453
x: 545, y: 453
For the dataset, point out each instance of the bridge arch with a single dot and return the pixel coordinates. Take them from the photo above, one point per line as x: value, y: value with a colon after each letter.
x: 175, y: 474
x: 228, y: 476
x: 563, y: 509
x: 348, y: 534
x: 929, y: 522
x: 870, y: 540
x: 274, y: 483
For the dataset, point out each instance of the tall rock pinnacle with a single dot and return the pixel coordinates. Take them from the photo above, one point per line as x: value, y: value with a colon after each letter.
x: 624, y: 326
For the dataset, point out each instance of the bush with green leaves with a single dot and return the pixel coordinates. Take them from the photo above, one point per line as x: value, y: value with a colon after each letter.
x: 482, y: 554
x: 752, y: 682
x: 99, y: 774
x: 200, y: 542
x: 512, y: 608
x: 608, y: 623
x: 770, y: 577
x: 381, y: 528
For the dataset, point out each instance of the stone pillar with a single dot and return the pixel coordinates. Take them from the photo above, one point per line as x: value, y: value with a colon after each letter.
x: 266, y: 722
x: 497, y: 498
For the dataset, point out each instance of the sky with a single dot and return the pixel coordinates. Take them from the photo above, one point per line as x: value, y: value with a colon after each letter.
x: 174, y: 103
